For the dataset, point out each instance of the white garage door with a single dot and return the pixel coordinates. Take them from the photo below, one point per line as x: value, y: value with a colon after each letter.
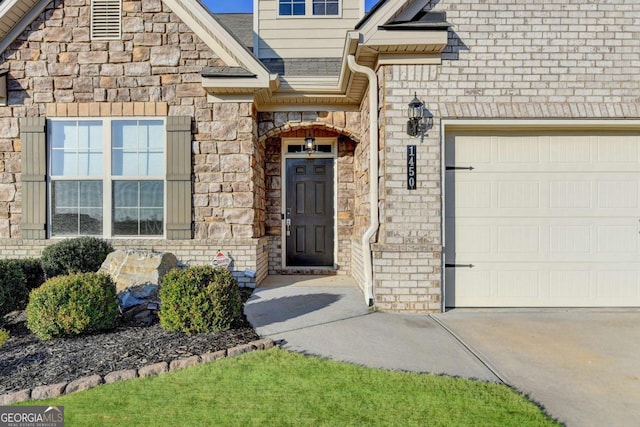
x: 542, y: 221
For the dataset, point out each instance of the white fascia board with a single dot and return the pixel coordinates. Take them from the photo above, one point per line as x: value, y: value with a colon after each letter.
x: 6, y: 5
x: 19, y: 27
x: 231, y: 52
x: 230, y: 98
x: 275, y: 108
x: 256, y: 28
x: 309, y: 84
x: 235, y: 82
x: 388, y: 11
x: 352, y: 39
x: 408, y: 37
x: 410, y: 10
x: 408, y: 59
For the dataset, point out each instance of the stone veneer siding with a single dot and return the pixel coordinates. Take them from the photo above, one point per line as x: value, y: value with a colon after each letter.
x: 506, y: 59
x: 55, y: 70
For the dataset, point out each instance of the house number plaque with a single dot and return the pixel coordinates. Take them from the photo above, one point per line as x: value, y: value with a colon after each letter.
x: 411, y: 167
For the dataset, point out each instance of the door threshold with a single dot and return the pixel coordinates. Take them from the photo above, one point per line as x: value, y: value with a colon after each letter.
x: 325, y: 271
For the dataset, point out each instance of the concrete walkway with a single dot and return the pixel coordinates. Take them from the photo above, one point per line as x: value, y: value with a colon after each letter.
x: 327, y: 317
x: 583, y: 366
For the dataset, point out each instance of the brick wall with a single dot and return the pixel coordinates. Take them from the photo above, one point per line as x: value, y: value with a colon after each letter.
x: 506, y: 59
x: 247, y: 254
x: 361, y: 206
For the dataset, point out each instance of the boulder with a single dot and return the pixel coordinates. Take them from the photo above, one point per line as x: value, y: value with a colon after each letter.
x: 138, y: 272
x: 137, y: 275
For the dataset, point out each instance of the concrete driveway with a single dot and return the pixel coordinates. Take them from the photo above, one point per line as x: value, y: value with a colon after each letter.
x: 583, y: 366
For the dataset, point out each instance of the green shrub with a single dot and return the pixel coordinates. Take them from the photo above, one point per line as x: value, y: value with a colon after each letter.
x: 32, y: 270
x: 71, y: 305
x: 4, y: 335
x: 13, y: 291
x: 199, y: 299
x: 79, y: 255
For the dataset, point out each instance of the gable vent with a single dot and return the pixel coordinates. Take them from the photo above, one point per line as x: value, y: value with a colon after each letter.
x: 106, y: 21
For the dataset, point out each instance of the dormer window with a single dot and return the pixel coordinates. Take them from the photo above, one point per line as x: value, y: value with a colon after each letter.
x: 325, y: 7
x: 106, y: 19
x: 308, y: 8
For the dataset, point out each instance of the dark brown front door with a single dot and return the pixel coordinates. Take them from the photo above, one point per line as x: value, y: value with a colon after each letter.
x: 309, y: 212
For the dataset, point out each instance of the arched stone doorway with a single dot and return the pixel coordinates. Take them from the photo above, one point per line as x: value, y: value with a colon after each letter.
x: 345, y: 195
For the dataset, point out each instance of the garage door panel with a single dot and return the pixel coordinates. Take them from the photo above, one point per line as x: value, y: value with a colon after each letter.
x: 521, y: 150
x: 546, y: 220
x: 546, y: 153
x: 570, y: 283
x: 622, y: 283
x: 519, y: 194
x: 617, y: 239
x: 571, y: 150
x: 544, y: 285
x: 614, y: 194
x: 543, y: 240
x: 569, y: 239
x: 518, y: 239
x: 570, y: 193
x: 617, y: 150
x: 536, y: 194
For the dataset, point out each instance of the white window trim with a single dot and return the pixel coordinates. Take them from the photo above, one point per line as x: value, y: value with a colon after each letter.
x: 107, y: 178
x: 308, y: 12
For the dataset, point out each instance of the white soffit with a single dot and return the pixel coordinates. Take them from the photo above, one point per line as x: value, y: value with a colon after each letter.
x: 15, y: 16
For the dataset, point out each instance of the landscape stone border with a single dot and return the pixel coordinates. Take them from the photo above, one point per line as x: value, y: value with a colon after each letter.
x: 85, y: 383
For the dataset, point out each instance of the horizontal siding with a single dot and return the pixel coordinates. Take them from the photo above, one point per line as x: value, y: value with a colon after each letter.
x: 272, y: 25
x: 304, y: 37
x: 325, y: 52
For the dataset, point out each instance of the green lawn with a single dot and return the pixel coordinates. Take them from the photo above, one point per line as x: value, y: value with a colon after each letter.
x: 278, y: 388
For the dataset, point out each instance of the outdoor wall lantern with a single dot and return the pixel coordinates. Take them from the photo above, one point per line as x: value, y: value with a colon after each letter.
x: 310, y: 142
x: 3, y: 87
x: 419, y: 122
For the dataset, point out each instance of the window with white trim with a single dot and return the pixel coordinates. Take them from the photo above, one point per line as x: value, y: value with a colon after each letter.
x: 326, y: 7
x: 107, y: 177
x: 292, y: 8
x: 106, y: 19
x: 308, y: 8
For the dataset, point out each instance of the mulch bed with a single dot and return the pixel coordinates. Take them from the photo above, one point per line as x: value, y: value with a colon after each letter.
x: 28, y: 362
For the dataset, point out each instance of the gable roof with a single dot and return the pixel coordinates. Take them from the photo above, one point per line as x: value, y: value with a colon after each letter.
x: 403, y: 29
x: 16, y: 15
x: 240, y: 25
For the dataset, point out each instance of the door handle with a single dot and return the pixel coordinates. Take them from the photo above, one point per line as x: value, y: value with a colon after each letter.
x: 288, y: 221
